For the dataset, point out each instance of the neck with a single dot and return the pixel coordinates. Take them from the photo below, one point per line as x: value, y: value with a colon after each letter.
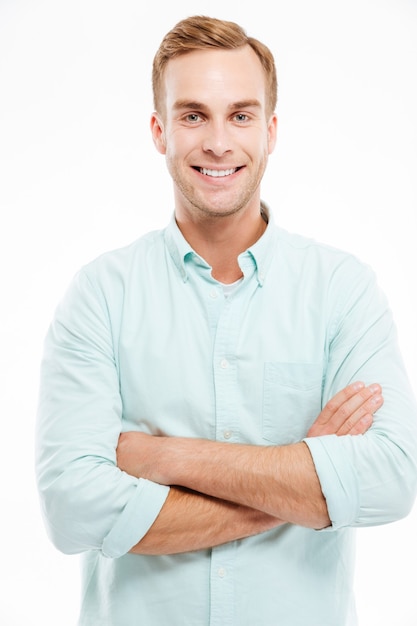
x: 220, y: 240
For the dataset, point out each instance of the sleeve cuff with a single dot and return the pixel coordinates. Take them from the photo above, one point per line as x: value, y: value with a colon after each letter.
x: 136, y: 518
x: 338, y: 480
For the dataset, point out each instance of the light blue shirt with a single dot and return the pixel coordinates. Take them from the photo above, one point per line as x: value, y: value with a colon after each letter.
x: 145, y: 339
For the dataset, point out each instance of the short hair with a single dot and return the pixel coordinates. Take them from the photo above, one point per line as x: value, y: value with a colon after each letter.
x: 200, y: 32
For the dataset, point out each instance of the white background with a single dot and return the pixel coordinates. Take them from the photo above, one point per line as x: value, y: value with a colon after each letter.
x: 79, y: 175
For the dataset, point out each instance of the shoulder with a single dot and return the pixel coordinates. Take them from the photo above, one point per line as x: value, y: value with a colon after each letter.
x: 120, y: 262
x: 314, y: 255
x: 124, y: 254
x: 107, y: 277
x: 322, y: 271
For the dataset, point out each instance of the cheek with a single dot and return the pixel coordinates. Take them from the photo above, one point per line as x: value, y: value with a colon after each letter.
x: 179, y: 147
x: 256, y: 142
x: 173, y: 161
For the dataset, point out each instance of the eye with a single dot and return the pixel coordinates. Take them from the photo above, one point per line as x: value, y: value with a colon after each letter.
x: 192, y: 118
x: 241, y: 117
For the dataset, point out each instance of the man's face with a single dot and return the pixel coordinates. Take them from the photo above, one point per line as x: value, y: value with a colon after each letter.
x: 214, y: 131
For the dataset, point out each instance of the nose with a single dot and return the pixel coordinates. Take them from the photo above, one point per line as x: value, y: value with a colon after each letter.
x: 217, y: 139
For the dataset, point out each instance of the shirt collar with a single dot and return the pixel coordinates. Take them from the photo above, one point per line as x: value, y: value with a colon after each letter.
x: 257, y: 257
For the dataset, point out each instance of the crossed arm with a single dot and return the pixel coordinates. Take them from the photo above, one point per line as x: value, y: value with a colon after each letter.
x: 222, y: 491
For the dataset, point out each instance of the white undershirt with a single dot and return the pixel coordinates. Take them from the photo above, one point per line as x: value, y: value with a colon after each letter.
x: 228, y: 289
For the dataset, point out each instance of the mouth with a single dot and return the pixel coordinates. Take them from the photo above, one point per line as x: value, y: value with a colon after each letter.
x: 217, y: 173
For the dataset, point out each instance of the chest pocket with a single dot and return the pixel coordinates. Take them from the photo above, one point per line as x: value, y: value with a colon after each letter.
x: 291, y: 400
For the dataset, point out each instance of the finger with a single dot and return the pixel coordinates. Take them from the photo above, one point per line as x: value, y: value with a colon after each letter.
x: 345, y: 416
x: 358, y: 419
x: 362, y: 425
x: 340, y: 413
x: 335, y: 403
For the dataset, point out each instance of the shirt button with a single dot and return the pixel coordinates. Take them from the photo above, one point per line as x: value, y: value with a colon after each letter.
x: 224, y: 364
x: 227, y: 434
x: 213, y: 294
x: 221, y: 572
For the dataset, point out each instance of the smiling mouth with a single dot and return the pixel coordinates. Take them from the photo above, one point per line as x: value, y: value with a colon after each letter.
x: 217, y: 173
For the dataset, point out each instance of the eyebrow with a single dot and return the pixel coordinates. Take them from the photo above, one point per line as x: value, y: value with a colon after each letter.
x: 200, y: 106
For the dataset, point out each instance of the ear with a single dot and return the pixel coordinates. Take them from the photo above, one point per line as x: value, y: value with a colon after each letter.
x: 158, y: 133
x: 272, y: 132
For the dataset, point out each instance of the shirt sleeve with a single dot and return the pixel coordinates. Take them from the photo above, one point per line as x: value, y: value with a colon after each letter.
x: 87, y: 502
x: 368, y: 479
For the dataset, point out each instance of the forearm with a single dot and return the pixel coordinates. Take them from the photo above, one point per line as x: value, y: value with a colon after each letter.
x: 278, y: 480
x: 191, y: 521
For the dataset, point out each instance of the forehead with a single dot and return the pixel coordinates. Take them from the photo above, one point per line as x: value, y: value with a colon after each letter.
x: 215, y: 75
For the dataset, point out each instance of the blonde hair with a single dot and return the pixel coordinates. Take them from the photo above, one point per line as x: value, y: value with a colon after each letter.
x: 200, y: 33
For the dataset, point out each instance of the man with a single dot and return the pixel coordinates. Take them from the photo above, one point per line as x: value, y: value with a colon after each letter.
x: 206, y: 434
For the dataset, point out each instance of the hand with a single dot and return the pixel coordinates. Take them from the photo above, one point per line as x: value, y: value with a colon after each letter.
x: 349, y: 412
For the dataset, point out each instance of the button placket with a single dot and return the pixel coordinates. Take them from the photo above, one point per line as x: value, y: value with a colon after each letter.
x: 225, y: 373
x: 222, y: 585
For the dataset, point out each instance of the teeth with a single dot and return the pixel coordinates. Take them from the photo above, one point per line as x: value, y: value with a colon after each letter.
x: 206, y: 172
